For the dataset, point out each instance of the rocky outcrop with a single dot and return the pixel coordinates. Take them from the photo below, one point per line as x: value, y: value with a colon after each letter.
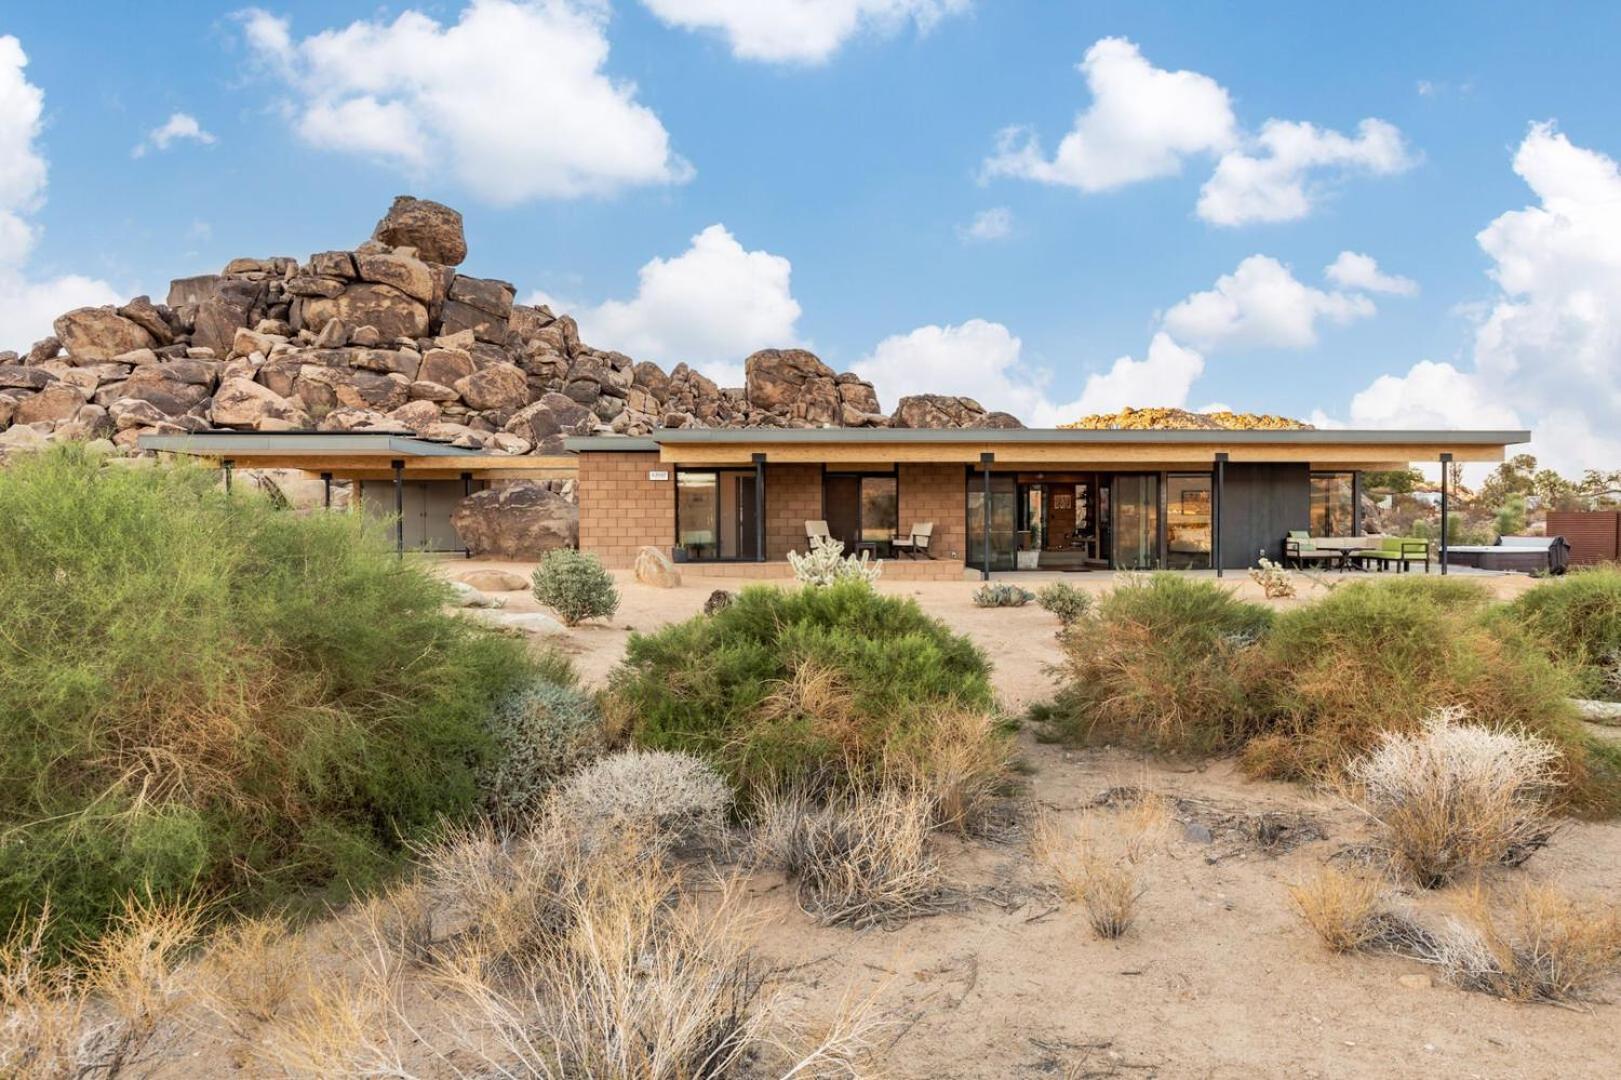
x: 520, y: 519
x: 1181, y: 419
x: 390, y: 336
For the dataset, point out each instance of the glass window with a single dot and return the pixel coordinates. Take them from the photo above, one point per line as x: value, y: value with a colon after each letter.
x: 696, y: 510
x: 880, y: 509
x: 1136, y: 522
x: 1332, y: 506
x: 1187, y: 522
x: 1003, y: 520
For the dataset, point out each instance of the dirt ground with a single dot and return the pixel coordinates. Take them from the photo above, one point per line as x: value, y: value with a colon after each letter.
x: 1219, y: 978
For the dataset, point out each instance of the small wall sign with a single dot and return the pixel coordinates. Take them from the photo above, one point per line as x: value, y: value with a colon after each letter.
x: 657, y: 475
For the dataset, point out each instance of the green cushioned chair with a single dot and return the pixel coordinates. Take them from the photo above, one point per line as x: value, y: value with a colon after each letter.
x: 1398, y: 551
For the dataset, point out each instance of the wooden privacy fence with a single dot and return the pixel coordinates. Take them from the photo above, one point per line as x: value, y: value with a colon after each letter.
x: 1594, y: 536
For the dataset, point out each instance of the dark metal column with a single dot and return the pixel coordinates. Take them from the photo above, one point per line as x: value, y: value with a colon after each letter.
x: 399, y: 507
x: 467, y: 489
x: 230, y: 467
x: 1446, y: 469
x: 1356, y: 502
x: 759, y: 508
x: 985, y: 461
x: 326, y: 490
x: 1215, y: 512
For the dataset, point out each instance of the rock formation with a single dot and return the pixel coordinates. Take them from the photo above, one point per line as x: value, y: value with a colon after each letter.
x: 1173, y: 419
x: 391, y: 337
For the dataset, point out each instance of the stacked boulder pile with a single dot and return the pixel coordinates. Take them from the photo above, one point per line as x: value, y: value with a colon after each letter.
x: 391, y: 337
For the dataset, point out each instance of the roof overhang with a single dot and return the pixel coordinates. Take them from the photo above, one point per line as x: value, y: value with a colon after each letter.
x: 357, y: 454
x: 1053, y: 448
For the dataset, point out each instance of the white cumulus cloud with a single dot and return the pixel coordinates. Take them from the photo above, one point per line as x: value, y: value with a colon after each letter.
x: 28, y: 305
x: 1162, y: 378
x: 512, y: 99
x: 1354, y: 270
x: 1142, y: 123
x: 977, y: 359
x: 1145, y: 122
x: 1546, y: 351
x: 710, y: 306
x: 179, y: 126
x: 993, y: 224
x: 1280, y: 176
x: 798, y: 31
x: 1261, y: 304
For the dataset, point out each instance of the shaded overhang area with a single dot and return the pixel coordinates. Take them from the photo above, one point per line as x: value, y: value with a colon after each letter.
x: 1055, y: 448
x: 359, y: 455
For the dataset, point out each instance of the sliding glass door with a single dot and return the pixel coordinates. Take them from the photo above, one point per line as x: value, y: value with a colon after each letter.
x: 717, y: 515
x: 1187, y: 522
x: 1135, y: 504
x: 1004, y: 521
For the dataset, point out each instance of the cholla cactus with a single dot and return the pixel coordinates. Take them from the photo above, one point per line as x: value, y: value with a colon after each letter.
x: 1273, y: 579
x: 825, y: 564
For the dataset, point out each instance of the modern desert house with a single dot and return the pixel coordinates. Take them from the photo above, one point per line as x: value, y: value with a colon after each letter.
x: 735, y: 501
x: 990, y: 500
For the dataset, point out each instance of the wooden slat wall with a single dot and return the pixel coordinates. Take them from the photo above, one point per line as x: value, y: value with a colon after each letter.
x: 1593, y: 536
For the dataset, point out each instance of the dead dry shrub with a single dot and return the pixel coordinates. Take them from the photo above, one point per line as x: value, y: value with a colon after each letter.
x: 1343, y: 908
x: 666, y: 799
x: 1539, y: 943
x: 858, y: 857
x: 961, y: 762
x: 1102, y: 872
x: 1455, y: 798
x: 42, y: 1006
x: 133, y: 976
x: 250, y: 971
x: 342, y: 1027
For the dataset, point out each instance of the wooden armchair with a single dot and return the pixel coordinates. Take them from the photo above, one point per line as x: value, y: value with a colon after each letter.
x: 914, y: 543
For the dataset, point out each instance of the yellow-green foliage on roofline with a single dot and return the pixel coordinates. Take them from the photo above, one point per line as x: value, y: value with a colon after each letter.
x: 1181, y: 419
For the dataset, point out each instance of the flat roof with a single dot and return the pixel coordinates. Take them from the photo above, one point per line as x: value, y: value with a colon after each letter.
x: 1045, y: 436
x: 300, y: 443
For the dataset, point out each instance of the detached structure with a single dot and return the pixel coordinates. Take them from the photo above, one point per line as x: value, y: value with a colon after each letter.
x: 990, y: 500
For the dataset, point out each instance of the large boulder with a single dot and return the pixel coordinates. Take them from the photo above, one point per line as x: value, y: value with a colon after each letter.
x: 411, y: 276
x: 793, y: 384
x: 100, y: 333
x: 499, y: 386
x: 58, y: 401
x: 391, y: 312
x: 243, y: 403
x: 522, y: 519
x: 945, y: 411
x: 653, y: 567
x: 435, y: 230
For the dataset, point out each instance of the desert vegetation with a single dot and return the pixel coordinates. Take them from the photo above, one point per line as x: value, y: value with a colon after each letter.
x: 1577, y: 618
x: 575, y: 586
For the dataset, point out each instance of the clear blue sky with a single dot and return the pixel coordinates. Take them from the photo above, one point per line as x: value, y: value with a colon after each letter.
x: 861, y: 158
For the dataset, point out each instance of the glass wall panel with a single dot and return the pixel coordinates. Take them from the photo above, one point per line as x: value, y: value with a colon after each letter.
x: 880, y: 509
x: 1187, y: 522
x: 696, y: 513
x: 1136, y: 522
x: 1004, y: 521
x: 1332, y: 504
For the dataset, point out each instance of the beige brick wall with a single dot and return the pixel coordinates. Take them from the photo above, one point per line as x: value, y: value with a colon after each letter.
x: 621, y: 510
x: 793, y: 496
x: 935, y: 493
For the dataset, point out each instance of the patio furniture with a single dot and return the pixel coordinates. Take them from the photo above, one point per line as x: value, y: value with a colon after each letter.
x: 816, y: 532
x: 914, y: 543
x: 1398, y: 551
x: 1302, y: 550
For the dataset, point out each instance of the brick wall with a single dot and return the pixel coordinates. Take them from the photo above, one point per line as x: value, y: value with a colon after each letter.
x: 621, y: 510
x: 1593, y: 536
x: 793, y: 496
x: 936, y: 493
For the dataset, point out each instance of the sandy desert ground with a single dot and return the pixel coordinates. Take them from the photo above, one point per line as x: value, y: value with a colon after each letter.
x: 1218, y: 979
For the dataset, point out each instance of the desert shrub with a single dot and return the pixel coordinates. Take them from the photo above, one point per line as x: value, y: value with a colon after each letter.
x: 1454, y: 798
x: 1162, y: 665
x: 825, y: 564
x: 664, y: 798
x: 1102, y: 873
x: 575, y: 585
x: 1373, y: 658
x: 1577, y: 618
x: 1275, y: 581
x: 796, y: 685
x: 1540, y: 944
x: 1065, y: 601
x: 960, y: 760
x: 202, y: 694
x: 1343, y: 908
x: 1002, y: 595
x: 541, y: 731
x: 859, y: 857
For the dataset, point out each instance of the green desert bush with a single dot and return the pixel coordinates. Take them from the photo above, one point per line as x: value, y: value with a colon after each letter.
x: 1377, y: 657
x: 543, y: 731
x: 1164, y: 664
x: 576, y: 586
x: 796, y: 685
x: 1065, y: 601
x: 1002, y: 595
x: 200, y: 694
x: 1577, y: 618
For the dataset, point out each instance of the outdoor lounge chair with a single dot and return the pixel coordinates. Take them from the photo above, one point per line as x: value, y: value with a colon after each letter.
x: 815, y: 533
x: 1398, y: 551
x: 914, y: 543
x: 1299, y: 549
